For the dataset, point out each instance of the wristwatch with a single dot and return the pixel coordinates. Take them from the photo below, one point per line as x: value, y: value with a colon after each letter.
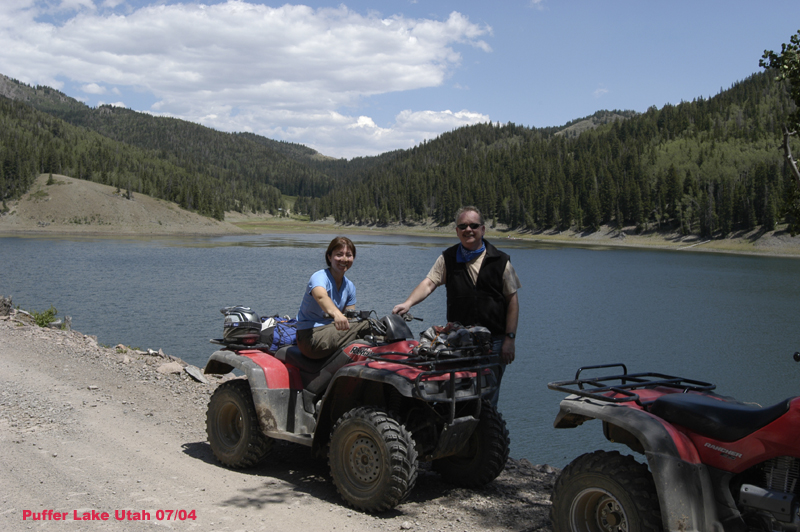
x: 511, y: 335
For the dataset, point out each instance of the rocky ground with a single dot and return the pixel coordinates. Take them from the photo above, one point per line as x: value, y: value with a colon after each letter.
x: 87, y: 429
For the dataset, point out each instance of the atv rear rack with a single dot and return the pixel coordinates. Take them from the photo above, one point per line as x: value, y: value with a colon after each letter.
x: 603, y: 387
x: 230, y: 346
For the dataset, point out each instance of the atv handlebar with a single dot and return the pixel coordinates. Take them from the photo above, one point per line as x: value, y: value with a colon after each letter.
x: 365, y: 315
x: 357, y: 314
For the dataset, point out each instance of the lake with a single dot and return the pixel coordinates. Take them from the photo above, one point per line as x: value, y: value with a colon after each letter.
x: 727, y: 319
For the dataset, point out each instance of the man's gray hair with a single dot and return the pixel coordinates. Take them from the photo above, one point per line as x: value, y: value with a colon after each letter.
x: 468, y: 208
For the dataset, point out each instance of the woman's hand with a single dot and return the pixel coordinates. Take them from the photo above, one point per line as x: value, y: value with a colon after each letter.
x: 340, y: 322
x: 326, y: 304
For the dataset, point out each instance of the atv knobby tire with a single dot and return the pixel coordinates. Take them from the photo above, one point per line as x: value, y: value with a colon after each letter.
x: 605, y: 492
x: 483, y: 457
x: 232, y: 426
x: 373, y: 459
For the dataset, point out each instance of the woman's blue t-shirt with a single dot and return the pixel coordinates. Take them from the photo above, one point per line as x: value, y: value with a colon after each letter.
x: 310, y: 314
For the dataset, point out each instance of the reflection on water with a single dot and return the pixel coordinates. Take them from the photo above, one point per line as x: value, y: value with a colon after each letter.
x: 726, y: 319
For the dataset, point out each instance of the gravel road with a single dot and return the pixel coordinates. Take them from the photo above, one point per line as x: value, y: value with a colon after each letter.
x: 89, y: 431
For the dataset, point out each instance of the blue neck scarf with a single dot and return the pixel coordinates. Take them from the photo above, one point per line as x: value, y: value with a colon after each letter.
x: 465, y: 255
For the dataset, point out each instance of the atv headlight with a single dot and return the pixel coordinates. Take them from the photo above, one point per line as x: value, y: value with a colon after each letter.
x: 432, y: 387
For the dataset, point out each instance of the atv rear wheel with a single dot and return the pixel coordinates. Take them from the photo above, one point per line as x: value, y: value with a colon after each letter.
x: 232, y: 426
x: 605, y: 492
x: 483, y: 457
x: 373, y: 459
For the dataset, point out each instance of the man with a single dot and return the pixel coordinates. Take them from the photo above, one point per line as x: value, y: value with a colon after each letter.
x: 481, y: 287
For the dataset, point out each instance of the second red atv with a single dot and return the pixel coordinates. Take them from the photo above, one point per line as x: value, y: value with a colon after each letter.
x: 715, y: 464
x: 377, y: 407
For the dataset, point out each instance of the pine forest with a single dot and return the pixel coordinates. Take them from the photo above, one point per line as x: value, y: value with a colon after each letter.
x: 712, y: 166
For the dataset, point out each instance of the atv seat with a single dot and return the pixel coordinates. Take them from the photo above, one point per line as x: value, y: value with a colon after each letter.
x: 715, y: 417
x: 315, y: 374
x: 291, y: 354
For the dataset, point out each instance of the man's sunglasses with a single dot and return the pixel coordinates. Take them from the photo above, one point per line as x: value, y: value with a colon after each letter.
x: 461, y: 227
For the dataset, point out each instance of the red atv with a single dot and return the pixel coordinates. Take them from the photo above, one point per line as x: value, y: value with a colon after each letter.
x: 377, y: 407
x: 715, y: 464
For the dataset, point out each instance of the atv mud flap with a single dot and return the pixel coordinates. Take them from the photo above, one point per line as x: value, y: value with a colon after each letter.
x: 685, y: 494
x: 683, y: 483
x: 279, y: 407
x: 453, y: 437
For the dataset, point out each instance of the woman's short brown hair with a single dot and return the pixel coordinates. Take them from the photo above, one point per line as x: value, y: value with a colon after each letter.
x: 336, y: 243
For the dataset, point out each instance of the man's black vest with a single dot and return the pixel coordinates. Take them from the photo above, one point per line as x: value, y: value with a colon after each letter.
x: 480, y: 303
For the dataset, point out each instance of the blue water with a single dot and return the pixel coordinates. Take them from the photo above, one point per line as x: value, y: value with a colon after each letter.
x: 726, y: 319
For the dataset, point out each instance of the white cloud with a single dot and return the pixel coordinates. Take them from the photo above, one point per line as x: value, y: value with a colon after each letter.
x: 445, y: 121
x: 600, y: 92
x: 284, y: 70
x: 111, y: 3
x: 75, y: 5
x: 93, y: 88
x: 410, y: 128
x: 363, y: 122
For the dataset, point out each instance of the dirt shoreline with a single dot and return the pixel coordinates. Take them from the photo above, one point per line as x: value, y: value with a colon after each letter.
x: 778, y: 243
x: 69, y: 208
x: 87, y: 428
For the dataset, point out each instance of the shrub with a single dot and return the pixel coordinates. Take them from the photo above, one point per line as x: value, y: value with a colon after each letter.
x: 43, y: 319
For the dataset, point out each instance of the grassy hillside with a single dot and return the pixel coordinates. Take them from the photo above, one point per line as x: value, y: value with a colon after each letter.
x: 57, y: 204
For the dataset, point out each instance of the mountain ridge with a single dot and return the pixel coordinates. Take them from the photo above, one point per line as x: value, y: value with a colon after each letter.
x: 708, y: 167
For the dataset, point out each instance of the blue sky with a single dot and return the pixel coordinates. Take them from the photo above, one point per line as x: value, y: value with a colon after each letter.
x: 364, y: 77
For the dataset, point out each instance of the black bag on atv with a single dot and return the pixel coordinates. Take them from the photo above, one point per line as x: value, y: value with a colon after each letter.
x: 241, y: 325
x: 455, y: 340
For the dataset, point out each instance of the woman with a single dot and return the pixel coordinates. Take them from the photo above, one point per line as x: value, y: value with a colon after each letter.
x: 321, y: 326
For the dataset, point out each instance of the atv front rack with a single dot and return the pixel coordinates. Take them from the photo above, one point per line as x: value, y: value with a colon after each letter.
x: 448, y: 356
x: 452, y: 389
x: 624, y: 385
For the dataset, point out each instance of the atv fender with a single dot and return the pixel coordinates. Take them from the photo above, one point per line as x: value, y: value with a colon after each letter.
x: 275, y: 392
x: 683, y: 482
x: 362, y: 383
x: 346, y: 390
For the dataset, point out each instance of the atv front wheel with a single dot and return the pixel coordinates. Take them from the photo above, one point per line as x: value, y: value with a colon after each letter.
x: 484, y: 455
x: 232, y: 426
x: 373, y: 460
x: 605, y: 492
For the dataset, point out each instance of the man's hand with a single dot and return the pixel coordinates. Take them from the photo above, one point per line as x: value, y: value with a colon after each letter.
x: 508, y: 351
x: 422, y: 291
x: 401, y: 309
